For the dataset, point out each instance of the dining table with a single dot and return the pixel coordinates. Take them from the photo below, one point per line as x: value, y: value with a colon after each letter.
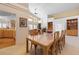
x: 44, y: 40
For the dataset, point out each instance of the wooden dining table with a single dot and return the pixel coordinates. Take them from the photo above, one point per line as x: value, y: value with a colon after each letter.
x: 44, y: 40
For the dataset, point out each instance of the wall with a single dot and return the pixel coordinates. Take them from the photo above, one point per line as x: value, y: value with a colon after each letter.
x: 62, y: 21
x: 69, y: 13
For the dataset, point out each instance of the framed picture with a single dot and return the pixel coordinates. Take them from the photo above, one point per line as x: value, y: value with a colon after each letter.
x: 22, y: 22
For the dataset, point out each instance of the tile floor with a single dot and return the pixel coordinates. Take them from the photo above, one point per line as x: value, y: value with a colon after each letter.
x: 71, y: 48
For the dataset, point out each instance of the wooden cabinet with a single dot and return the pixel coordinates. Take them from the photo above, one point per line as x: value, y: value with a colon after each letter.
x: 50, y: 27
x: 72, y: 27
x: 39, y: 25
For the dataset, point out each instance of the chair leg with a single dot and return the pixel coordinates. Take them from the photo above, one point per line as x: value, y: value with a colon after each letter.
x: 59, y: 48
x: 52, y: 52
x: 31, y: 46
x: 35, y: 48
x: 56, y: 50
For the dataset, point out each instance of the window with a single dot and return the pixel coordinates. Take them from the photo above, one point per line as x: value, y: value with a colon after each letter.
x: 58, y: 27
x: 0, y: 25
x: 30, y: 27
x: 4, y: 23
x: 35, y: 26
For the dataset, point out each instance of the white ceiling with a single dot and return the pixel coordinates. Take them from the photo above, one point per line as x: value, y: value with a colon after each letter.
x: 40, y: 10
x: 52, y: 8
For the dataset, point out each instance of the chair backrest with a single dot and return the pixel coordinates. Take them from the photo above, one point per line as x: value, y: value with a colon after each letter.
x: 62, y: 34
x: 56, y: 36
x: 33, y: 32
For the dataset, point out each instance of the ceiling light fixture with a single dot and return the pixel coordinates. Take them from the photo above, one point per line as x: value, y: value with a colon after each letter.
x: 35, y: 11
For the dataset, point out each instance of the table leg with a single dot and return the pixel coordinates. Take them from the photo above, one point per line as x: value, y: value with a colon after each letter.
x: 45, y: 51
x: 27, y: 46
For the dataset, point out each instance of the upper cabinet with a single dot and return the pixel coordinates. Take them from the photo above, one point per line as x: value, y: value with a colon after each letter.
x: 72, y: 27
x: 50, y: 26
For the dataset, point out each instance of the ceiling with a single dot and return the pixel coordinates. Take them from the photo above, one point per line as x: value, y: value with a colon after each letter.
x: 23, y: 4
x: 52, y: 8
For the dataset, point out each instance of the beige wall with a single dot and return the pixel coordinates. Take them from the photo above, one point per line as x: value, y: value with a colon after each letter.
x: 64, y: 14
x: 21, y: 33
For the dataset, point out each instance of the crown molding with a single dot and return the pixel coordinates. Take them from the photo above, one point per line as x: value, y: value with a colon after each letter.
x: 15, y: 6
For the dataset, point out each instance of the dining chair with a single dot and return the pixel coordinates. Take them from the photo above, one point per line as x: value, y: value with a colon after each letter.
x: 35, y: 46
x: 33, y: 33
x: 63, y: 38
x: 61, y: 42
x: 54, y: 47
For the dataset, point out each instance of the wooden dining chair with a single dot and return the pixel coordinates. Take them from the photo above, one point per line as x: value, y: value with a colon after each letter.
x: 54, y: 47
x: 61, y: 42
x: 36, y: 32
x: 35, y: 46
x: 63, y: 38
x: 33, y: 33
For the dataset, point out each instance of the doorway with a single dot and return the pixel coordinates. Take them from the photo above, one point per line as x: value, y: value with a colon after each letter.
x: 7, y: 29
